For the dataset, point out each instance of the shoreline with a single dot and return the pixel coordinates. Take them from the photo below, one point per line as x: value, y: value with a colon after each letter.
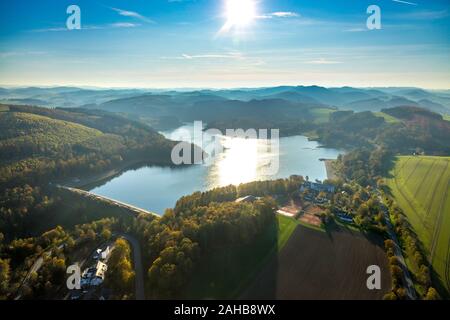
x: 331, y: 172
x: 85, y: 181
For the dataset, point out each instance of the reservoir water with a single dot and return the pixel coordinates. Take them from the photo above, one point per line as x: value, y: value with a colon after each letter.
x: 243, y: 160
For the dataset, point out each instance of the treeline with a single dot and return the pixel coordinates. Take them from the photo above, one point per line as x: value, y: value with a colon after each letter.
x: 120, y: 275
x: 418, y: 263
x: 232, y: 192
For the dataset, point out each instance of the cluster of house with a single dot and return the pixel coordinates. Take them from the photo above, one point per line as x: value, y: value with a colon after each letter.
x: 318, y: 187
x: 315, y: 188
x: 95, y: 275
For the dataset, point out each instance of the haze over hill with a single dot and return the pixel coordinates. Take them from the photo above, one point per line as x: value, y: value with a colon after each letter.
x: 167, y: 109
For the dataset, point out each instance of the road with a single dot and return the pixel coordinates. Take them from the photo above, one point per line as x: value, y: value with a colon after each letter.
x: 137, y: 261
x: 114, y: 202
x: 35, y: 268
x: 407, y: 281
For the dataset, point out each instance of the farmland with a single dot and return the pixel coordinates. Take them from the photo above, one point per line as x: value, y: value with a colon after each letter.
x: 421, y: 187
x: 322, y: 115
x: 388, y: 118
x: 323, y: 265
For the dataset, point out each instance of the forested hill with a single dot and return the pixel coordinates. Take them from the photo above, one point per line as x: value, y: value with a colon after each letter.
x: 403, y: 130
x: 40, y: 144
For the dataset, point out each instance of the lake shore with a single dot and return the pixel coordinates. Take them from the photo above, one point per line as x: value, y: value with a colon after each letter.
x: 80, y: 183
x: 331, y: 172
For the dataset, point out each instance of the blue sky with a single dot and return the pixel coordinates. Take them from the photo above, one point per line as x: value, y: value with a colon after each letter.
x: 178, y: 43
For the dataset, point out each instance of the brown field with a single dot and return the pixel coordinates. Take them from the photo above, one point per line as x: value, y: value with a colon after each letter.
x: 322, y: 265
x: 311, y: 219
x: 313, y: 210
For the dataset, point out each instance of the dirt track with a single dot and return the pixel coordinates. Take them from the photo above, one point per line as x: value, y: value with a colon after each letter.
x: 317, y: 265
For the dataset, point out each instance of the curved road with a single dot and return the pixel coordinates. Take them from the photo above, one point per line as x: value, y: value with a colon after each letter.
x: 137, y: 261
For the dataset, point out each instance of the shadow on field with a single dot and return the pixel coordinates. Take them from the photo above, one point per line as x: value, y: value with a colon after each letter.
x: 323, y: 265
x: 332, y: 229
x: 225, y: 273
x: 438, y: 283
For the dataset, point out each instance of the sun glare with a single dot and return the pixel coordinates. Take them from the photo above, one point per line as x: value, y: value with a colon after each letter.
x: 239, y: 13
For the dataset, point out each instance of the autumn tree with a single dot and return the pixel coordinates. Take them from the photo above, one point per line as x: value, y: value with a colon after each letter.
x: 120, y: 274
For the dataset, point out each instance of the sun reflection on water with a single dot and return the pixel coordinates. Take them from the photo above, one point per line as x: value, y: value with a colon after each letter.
x: 243, y: 160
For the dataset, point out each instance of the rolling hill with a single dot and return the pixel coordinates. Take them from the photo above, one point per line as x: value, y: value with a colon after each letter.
x: 43, y: 144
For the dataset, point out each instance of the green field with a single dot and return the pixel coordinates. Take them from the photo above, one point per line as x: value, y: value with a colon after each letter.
x: 388, y: 118
x: 321, y: 115
x: 421, y: 186
x: 226, y: 273
x: 447, y: 117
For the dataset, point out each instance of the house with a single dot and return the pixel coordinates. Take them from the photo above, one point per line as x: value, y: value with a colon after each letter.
x: 102, y: 254
x: 318, y: 187
x: 345, y: 217
x: 106, y: 253
x: 94, y: 276
x: 100, y: 270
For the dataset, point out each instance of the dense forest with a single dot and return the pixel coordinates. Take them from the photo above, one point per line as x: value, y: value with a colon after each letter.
x: 39, y: 145
x: 201, y: 223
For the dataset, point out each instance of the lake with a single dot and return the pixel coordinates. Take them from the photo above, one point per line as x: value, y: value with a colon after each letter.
x: 243, y: 160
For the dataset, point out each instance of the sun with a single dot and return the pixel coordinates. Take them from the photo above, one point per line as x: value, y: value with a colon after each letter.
x: 239, y: 13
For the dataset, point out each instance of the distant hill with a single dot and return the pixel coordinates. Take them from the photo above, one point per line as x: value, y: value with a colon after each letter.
x: 26, y: 101
x: 293, y: 97
x: 153, y: 105
x: 376, y: 104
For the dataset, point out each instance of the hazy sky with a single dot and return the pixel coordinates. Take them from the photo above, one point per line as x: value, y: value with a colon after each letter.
x: 195, y: 43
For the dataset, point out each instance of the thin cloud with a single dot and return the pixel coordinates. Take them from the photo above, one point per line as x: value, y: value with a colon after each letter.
x: 91, y: 27
x: 279, y: 14
x: 283, y: 14
x: 124, y: 25
x: 231, y: 55
x: 356, y: 30
x: 8, y: 54
x: 406, y: 2
x: 424, y: 15
x: 323, y: 61
x: 132, y: 14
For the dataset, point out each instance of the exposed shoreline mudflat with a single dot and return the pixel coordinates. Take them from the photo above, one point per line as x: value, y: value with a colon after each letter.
x: 331, y: 172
